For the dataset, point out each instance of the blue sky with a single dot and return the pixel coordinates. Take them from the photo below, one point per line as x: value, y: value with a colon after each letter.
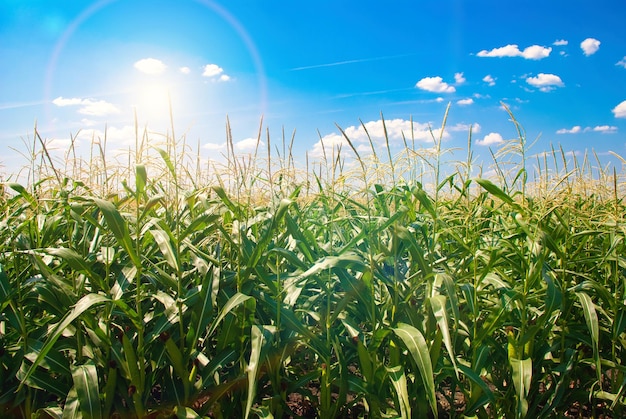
x: 77, y: 67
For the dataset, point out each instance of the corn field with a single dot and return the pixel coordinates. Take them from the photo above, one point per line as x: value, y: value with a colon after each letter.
x: 359, y: 286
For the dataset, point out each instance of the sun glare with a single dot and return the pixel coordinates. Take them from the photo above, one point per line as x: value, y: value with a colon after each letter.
x: 151, y: 100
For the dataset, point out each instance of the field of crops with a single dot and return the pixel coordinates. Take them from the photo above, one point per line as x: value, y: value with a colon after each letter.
x: 361, y: 286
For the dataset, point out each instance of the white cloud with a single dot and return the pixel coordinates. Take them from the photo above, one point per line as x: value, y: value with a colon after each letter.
x: 150, y: 66
x: 435, y: 84
x: 59, y: 144
x: 87, y: 122
x: 465, y: 102
x: 121, y: 137
x: 490, y: 139
x: 489, y: 80
x: 459, y: 79
x: 89, y: 106
x: 61, y: 101
x: 574, y: 130
x: 590, y: 46
x: 620, y: 110
x: 605, y: 129
x: 212, y: 70
x: 396, y: 128
x: 98, y: 108
x: 214, y: 147
x: 185, y: 70
x: 215, y: 72
x: 622, y: 62
x: 536, y: 52
x: 249, y: 144
x: 439, y: 99
x: 545, y: 82
x: 465, y: 128
x: 560, y: 42
x: 533, y: 52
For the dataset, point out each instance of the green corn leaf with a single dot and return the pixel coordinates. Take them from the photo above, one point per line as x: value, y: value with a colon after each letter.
x: 426, y: 202
x: 186, y: 413
x: 347, y: 260
x: 495, y: 190
x: 176, y: 357
x: 204, y: 311
x: 71, y: 410
x: 417, y: 347
x: 135, y: 375
x: 141, y: 179
x: 5, y: 289
x: 54, y: 360
x: 231, y: 304
x: 398, y: 380
x: 86, y: 384
x: 118, y: 227
x: 260, y: 335
x: 168, y: 162
x: 365, y: 362
x: 219, y: 361
x: 42, y: 380
x: 438, y: 306
x: 270, y: 231
x: 164, y: 242
x: 53, y: 412
x: 522, y: 372
x: 23, y: 192
x: 81, y: 306
x: 76, y: 262
x: 236, y: 210
x: 591, y: 318
x: 146, y: 209
x: 477, y: 379
x: 109, y: 391
x: 619, y: 323
x: 263, y: 412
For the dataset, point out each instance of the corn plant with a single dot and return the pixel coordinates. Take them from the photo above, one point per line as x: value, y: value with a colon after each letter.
x: 356, y: 290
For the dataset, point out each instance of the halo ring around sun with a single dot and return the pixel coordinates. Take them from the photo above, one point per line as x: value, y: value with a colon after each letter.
x: 99, y: 5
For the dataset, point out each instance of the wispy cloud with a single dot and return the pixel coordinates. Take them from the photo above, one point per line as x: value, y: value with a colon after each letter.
x: 465, y: 102
x: 605, y: 129
x: 17, y: 105
x: 577, y: 129
x: 590, y: 46
x: 622, y: 62
x: 435, y: 84
x: 459, y: 78
x: 360, y: 60
x: 533, y: 52
x: 560, y: 42
x: 574, y: 130
x: 88, y: 106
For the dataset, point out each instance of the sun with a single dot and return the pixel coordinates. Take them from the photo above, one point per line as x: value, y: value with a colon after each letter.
x: 151, y: 100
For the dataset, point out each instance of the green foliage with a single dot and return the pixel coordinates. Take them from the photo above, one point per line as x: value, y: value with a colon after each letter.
x: 363, y: 298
